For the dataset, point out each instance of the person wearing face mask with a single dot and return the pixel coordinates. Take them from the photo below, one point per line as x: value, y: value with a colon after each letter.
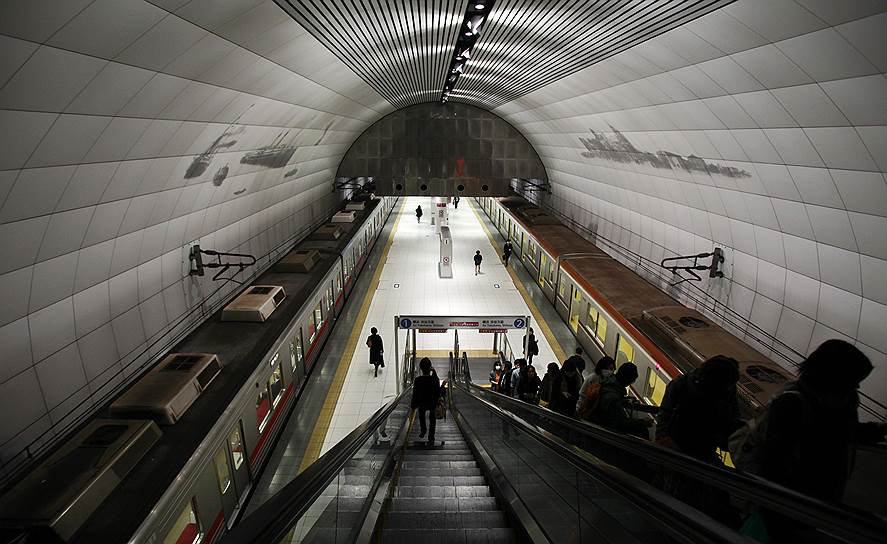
x: 589, y: 393
x: 495, y: 376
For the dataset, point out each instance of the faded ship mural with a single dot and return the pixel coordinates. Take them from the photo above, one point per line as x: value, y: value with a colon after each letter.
x: 275, y: 155
x: 618, y: 148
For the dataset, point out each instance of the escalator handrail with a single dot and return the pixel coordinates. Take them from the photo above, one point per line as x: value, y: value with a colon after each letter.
x: 273, y: 520
x: 842, y: 520
x: 678, y: 518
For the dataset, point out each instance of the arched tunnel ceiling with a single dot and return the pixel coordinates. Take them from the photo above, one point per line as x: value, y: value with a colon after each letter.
x: 760, y: 127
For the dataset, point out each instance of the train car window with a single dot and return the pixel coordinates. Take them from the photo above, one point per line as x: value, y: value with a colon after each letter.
x: 338, y: 284
x: 296, y: 350
x: 575, y: 308
x: 275, y: 385
x: 329, y: 297
x: 235, y: 442
x: 596, y: 325
x: 543, y: 260
x: 562, y: 286
x: 655, y: 387
x: 187, y: 528
x: 222, y: 471
x: 624, y: 351
x: 318, y: 315
x: 263, y: 408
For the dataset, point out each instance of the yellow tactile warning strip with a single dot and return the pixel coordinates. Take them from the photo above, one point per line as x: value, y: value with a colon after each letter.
x: 318, y: 436
x: 559, y: 352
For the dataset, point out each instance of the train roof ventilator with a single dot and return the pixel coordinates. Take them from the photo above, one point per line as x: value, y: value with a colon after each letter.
x: 343, y: 217
x: 298, y: 260
x: 67, y: 487
x: 328, y: 232
x: 255, y: 304
x: 167, y: 391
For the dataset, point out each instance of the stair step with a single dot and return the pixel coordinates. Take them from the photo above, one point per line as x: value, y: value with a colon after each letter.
x: 440, y: 491
x: 467, y: 504
x: 450, y: 536
x: 410, y: 479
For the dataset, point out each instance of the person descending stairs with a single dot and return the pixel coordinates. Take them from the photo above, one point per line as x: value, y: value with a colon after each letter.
x: 441, y: 495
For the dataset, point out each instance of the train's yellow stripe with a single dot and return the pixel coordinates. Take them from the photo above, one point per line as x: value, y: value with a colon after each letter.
x: 559, y: 352
x: 315, y: 443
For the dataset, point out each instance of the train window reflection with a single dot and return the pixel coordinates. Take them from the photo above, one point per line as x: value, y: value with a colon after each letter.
x: 296, y: 349
x: 222, y: 471
x: 235, y: 442
x: 596, y: 325
x: 187, y: 528
x: 655, y: 387
x: 575, y: 308
x: 263, y: 408
x: 624, y: 351
x: 275, y: 385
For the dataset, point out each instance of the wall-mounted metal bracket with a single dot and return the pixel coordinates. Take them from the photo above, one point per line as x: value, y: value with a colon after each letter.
x: 714, y: 268
x: 195, y: 255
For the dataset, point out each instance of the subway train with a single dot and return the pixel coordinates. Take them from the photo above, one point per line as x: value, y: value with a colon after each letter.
x: 612, y: 310
x: 174, y: 457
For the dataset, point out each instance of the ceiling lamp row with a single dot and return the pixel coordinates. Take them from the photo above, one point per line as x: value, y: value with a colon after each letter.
x: 469, y: 32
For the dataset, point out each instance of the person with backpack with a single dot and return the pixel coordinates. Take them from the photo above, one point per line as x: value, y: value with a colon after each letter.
x: 590, y: 390
x: 426, y: 391
x: 419, y: 213
x: 530, y: 385
x: 700, y: 410
x: 478, y: 258
x: 809, y: 431
x: 551, y: 376
x: 578, y: 361
x: 609, y: 411
x: 531, y: 345
x: 374, y: 342
x: 565, y: 389
x: 505, y: 379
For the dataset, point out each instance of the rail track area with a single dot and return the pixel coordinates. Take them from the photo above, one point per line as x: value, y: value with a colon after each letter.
x: 402, y: 279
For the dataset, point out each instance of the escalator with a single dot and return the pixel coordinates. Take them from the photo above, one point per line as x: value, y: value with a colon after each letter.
x: 503, y: 471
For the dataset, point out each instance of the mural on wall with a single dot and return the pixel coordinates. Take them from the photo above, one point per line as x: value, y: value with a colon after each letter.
x: 200, y: 163
x: 618, y: 148
x: 274, y: 155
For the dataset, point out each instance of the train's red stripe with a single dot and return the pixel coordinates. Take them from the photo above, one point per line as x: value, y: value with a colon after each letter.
x: 264, y: 438
x: 316, y: 340
x: 215, y: 529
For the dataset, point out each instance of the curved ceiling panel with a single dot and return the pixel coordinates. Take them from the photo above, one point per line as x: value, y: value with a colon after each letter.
x: 759, y: 128
x: 130, y: 130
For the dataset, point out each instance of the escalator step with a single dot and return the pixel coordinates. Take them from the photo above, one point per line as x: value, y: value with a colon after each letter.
x: 440, y: 480
x: 420, y: 464
x: 469, y: 504
x: 451, y: 536
x: 434, y: 491
x: 436, y: 521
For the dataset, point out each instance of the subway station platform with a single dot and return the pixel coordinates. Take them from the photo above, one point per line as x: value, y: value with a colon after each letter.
x: 402, y: 279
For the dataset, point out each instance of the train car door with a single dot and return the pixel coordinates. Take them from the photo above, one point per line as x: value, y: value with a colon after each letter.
x: 237, y: 454
x: 226, y: 485
x: 543, y: 260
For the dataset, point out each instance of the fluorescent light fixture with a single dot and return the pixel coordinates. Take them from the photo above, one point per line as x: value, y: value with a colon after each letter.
x: 479, y: 6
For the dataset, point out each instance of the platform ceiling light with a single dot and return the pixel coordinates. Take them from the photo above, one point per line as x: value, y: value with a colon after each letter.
x: 469, y: 33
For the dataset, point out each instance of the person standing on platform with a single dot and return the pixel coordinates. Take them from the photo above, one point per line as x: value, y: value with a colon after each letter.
x: 506, y: 251
x: 374, y: 342
x: 455, y: 202
x: 531, y: 345
x: 419, y: 213
x: 478, y: 258
x: 426, y: 390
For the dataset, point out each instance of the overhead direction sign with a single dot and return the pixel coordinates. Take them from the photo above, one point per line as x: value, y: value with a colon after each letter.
x: 499, y: 323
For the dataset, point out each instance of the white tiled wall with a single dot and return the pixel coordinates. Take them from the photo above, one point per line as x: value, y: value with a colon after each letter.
x: 103, y: 106
x: 792, y: 92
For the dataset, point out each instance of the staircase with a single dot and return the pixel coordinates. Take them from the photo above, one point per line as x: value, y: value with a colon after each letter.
x: 441, y: 495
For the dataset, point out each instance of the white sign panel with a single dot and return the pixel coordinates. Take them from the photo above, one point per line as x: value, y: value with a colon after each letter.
x: 444, y: 322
